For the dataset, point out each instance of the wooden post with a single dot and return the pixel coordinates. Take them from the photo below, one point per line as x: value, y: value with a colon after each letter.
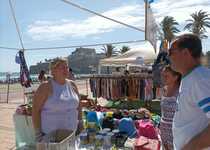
x: 8, y: 82
x: 86, y: 82
x: 146, y: 7
x: 96, y: 101
x: 24, y: 96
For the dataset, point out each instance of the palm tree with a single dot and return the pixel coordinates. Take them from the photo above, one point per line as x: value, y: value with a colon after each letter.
x: 198, y: 24
x: 168, y: 27
x: 109, y: 50
x: 124, y: 49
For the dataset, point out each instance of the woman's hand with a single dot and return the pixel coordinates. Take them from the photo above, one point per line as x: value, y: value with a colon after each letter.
x: 38, y: 135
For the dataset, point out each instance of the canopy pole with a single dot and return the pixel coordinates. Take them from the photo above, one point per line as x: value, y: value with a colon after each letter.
x: 16, y: 25
x: 145, y: 30
x: 99, y: 69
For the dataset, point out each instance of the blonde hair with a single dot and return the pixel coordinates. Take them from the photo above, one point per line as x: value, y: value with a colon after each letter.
x: 55, y: 62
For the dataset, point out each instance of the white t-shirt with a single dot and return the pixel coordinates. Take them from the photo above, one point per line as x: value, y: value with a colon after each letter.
x: 192, y: 115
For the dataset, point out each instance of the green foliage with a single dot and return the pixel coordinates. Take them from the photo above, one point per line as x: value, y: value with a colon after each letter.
x: 168, y: 28
x: 109, y: 50
x: 124, y: 49
x: 198, y: 23
x: 120, y: 104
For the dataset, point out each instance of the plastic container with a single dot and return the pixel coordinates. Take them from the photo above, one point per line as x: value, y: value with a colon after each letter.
x: 91, y: 136
x: 83, y: 138
x: 99, y: 141
x: 107, y: 130
x: 91, y: 125
x: 108, y: 140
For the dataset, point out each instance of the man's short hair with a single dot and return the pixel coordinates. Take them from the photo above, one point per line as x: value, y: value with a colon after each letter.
x: 191, y: 42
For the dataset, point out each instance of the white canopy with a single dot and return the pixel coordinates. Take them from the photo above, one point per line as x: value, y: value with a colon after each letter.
x: 144, y: 53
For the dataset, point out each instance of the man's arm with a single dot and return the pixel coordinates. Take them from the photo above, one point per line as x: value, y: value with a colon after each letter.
x: 200, y: 141
x: 201, y: 99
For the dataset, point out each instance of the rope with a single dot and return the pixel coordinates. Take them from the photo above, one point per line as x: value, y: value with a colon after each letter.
x: 98, y: 14
x: 9, y: 48
x: 16, y: 25
x: 76, y: 46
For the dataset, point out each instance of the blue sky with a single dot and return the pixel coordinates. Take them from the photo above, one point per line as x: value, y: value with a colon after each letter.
x: 52, y: 23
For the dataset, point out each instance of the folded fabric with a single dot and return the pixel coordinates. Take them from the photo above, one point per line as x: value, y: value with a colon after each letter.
x: 146, y: 128
x: 127, y: 125
x: 130, y: 143
x: 17, y: 59
x: 108, y: 122
x: 118, y: 115
x: 156, y: 119
x: 109, y: 114
x: 144, y: 143
x: 93, y: 116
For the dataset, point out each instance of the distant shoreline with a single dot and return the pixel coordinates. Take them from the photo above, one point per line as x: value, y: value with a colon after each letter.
x: 34, y: 77
x: 16, y: 76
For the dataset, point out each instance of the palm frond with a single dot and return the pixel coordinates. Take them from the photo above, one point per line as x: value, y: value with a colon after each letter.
x: 198, y: 23
x: 168, y: 26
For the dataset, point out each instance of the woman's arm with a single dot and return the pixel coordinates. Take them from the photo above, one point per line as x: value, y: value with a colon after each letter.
x: 38, y: 101
x: 79, y: 108
x: 80, y: 123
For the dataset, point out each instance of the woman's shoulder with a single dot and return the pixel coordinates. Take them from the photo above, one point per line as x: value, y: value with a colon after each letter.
x: 68, y: 80
x: 71, y: 82
x: 42, y: 91
x: 45, y: 86
x: 46, y: 83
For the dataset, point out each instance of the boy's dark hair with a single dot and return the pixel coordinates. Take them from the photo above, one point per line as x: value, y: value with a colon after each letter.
x: 191, y: 42
x: 70, y: 70
x: 118, y: 69
x: 41, y: 74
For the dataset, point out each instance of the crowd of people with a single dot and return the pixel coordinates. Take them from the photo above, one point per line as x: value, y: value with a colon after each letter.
x: 185, y: 101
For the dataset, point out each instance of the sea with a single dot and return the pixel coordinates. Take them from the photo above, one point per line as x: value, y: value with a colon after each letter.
x: 34, y: 77
x: 15, y: 75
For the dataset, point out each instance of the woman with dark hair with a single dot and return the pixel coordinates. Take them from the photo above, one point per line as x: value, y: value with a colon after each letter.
x: 71, y: 74
x: 171, y: 80
x: 42, y: 76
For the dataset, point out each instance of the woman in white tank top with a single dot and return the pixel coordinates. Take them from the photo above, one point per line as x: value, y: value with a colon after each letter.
x: 56, y: 102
